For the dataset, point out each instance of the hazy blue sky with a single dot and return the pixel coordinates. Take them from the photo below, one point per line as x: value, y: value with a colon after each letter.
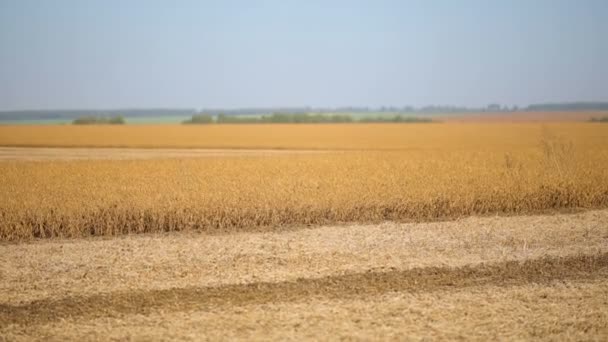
x: 109, y: 54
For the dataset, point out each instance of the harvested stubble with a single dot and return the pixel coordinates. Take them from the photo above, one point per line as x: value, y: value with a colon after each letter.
x: 524, y: 277
x: 82, y: 198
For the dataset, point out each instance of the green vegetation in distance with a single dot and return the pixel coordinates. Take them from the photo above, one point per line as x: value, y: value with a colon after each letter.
x: 299, y: 118
x: 67, y: 114
x: 244, y: 115
x: 604, y: 119
x: 199, y: 119
x: 181, y: 113
x: 96, y: 120
x: 286, y: 118
x: 396, y: 118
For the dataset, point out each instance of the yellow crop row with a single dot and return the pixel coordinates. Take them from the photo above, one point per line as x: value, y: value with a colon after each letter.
x: 431, y: 136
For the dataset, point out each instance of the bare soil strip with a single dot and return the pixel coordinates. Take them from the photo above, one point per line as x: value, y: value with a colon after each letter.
x: 582, y: 267
x: 557, y: 311
x: 102, y: 153
x: 57, y: 268
x: 513, y: 278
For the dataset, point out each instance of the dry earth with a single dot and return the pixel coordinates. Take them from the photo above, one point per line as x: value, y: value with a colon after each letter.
x: 532, y: 277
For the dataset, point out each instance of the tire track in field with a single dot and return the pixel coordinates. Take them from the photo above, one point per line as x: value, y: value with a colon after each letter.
x: 510, y: 273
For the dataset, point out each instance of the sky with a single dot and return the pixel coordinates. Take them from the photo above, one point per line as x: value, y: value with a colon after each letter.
x: 76, y: 54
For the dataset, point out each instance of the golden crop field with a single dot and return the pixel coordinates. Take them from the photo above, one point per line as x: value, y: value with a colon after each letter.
x: 420, y: 172
x: 282, y: 232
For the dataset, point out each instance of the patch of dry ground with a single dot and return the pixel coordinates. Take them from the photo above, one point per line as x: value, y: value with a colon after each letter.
x: 476, y: 278
x: 556, y: 310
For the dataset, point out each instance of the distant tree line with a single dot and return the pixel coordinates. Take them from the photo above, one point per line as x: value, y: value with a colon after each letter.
x: 199, y: 119
x: 327, y: 111
x: 72, y: 114
x: 604, y: 119
x: 97, y: 120
x: 396, y: 118
x: 286, y: 118
x: 569, y: 106
x: 297, y: 118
